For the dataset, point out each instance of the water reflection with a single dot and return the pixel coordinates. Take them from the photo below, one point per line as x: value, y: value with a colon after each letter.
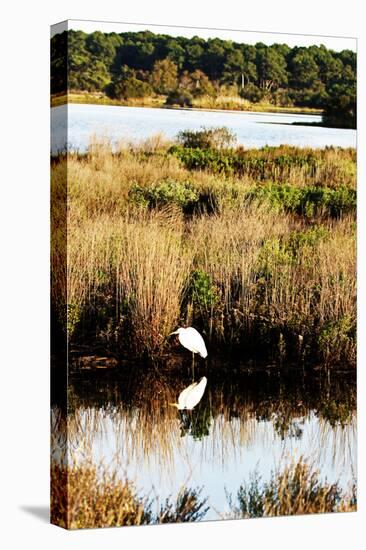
x: 191, y: 395
x: 244, y: 422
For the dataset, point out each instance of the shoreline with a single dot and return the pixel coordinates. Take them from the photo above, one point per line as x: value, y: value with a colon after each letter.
x: 91, y: 363
x: 157, y: 103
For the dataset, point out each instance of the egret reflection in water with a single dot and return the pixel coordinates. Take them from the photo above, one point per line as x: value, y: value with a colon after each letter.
x: 191, y: 396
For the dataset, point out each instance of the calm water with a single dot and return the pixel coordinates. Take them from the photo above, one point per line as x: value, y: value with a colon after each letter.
x: 251, y: 129
x: 244, y: 422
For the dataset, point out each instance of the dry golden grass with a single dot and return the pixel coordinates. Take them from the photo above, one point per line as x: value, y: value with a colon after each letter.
x: 152, y: 269
x: 136, y: 261
x: 80, y: 500
x: 85, y: 496
x: 236, y: 103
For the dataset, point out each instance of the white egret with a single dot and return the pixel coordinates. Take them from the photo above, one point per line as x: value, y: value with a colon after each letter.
x: 191, y: 339
x: 191, y: 395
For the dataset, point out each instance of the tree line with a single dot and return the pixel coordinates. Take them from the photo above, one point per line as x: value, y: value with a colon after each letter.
x: 139, y: 64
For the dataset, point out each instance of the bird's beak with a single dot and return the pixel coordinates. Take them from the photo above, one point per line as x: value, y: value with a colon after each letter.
x: 175, y: 332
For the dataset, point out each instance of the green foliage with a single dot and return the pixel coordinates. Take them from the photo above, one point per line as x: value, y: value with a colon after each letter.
x: 307, y: 238
x: 197, y: 426
x: 304, y: 69
x: 164, y: 76
x: 341, y: 108
x: 337, y: 338
x: 252, y: 93
x: 312, y: 76
x: 271, y: 66
x: 285, y: 251
x: 201, y: 290
x: 73, y: 317
x: 188, y: 507
x: 197, y: 83
x: 183, y: 194
x: 207, y: 138
x: 130, y: 87
x: 250, y: 501
x: 196, y: 158
x: 296, y: 490
x: 307, y: 201
x: 179, y: 97
x: 210, y: 149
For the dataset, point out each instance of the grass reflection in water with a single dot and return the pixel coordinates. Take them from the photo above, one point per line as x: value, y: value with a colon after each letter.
x: 262, y: 422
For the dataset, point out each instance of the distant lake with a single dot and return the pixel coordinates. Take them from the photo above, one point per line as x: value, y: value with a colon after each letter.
x: 253, y: 130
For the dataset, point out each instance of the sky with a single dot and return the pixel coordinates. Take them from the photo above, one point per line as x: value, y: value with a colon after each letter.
x: 247, y: 37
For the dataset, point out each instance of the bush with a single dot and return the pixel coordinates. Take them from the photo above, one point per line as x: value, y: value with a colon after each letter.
x: 201, y: 159
x: 265, y: 163
x: 129, y: 87
x: 183, y: 194
x: 252, y: 93
x: 179, y: 97
x: 207, y: 138
x: 296, y: 490
x: 83, y: 497
x: 341, y: 108
x: 337, y: 338
x: 201, y: 290
x: 307, y: 201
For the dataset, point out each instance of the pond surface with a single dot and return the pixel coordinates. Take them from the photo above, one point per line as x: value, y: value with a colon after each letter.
x: 246, y: 421
x: 74, y: 125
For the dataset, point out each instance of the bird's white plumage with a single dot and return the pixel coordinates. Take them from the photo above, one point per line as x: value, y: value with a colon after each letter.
x: 192, y: 395
x: 191, y: 339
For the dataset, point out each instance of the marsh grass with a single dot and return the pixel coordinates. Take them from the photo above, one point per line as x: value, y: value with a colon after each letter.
x: 88, y: 497
x: 329, y: 167
x: 296, y: 490
x: 142, y: 226
x: 237, y: 103
x: 152, y: 272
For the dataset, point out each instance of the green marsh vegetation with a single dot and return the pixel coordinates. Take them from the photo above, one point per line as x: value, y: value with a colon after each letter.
x: 297, y: 490
x: 255, y: 248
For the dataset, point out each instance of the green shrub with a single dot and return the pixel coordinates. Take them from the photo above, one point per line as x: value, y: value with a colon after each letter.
x: 252, y: 93
x: 183, y: 194
x: 180, y: 97
x: 201, y: 290
x: 130, y: 87
x: 306, y: 238
x: 296, y: 490
x: 73, y: 317
x: 260, y: 163
x: 207, y: 138
x: 307, y: 201
x: 337, y: 339
x: 196, y: 158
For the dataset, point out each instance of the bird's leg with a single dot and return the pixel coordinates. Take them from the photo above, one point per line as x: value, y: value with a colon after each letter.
x: 192, y: 367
